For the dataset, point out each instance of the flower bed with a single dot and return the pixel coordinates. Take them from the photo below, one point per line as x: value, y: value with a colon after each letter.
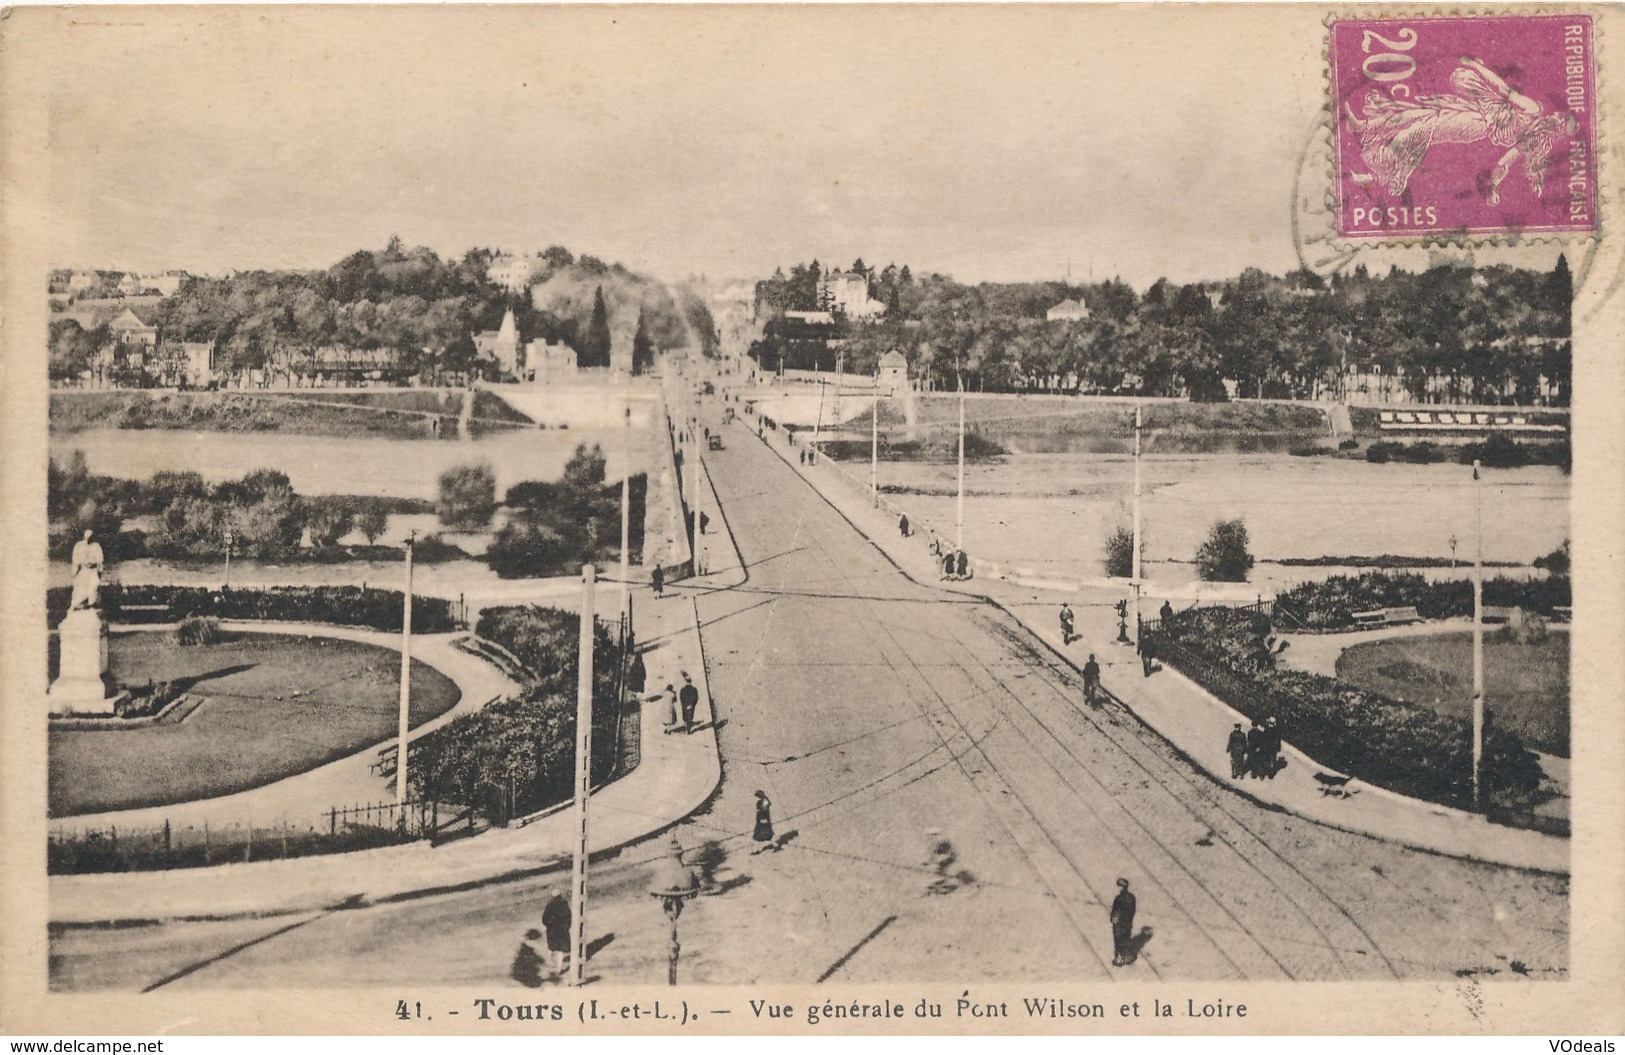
x: 517, y: 755
x: 1330, y: 604
x: 1405, y: 748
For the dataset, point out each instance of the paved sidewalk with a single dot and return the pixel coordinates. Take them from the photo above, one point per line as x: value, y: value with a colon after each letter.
x: 1195, y: 722
x: 676, y: 775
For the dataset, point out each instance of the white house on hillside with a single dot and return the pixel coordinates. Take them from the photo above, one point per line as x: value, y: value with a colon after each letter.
x: 1069, y: 310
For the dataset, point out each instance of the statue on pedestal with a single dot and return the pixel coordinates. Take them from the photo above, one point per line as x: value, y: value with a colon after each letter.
x: 81, y: 686
x: 87, y: 573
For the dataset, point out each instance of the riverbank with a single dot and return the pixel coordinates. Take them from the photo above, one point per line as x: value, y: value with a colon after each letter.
x: 403, y: 414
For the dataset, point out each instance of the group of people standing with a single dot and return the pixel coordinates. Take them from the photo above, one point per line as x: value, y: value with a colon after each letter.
x: 1256, y: 753
x: 955, y: 563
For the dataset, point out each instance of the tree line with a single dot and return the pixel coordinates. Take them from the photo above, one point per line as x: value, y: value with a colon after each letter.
x: 422, y: 308
x: 1487, y: 335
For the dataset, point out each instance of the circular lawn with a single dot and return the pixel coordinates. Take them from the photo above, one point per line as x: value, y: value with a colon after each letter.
x: 1526, y: 685
x: 274, y: 705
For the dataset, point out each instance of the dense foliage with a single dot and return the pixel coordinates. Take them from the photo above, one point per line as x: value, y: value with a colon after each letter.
x: 1330, y: 604
x: 554, y: 527
x: 410, y: 301
x: 1488, y: 335
x: 517, y: 755
x: 1407, y: 748
x: 468, y: 497
x: 1224, y: 557
x: 340, y: 605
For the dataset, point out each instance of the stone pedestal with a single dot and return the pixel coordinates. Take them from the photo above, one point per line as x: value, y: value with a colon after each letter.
x: 81, y: 686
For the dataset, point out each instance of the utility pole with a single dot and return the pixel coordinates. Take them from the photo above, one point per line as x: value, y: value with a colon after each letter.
x: 1478, y: 636
x: 406, y: 687
x: 578, y: 871
x: 874, y: 446
x: 959, y: 502
x: 1134, y: 573
x: 626, y: 507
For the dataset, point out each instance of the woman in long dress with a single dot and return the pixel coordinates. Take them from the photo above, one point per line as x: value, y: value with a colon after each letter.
x: 764, y: 824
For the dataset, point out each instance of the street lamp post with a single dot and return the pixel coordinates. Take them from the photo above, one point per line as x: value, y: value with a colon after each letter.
x: 674, y: 884
x: 231, y: 537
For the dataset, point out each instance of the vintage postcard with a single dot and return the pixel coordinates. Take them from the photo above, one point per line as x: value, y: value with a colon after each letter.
x: 829, y: 519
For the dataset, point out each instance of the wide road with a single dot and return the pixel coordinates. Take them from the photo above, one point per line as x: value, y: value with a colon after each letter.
x: 880, y: 715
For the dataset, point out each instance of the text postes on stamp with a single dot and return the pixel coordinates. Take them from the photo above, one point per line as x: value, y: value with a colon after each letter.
x: 1464, y: 127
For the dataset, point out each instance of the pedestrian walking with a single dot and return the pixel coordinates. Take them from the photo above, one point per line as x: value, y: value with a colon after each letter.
x: 1091, y: 680
x: 803, y: 457
x: 1255, y: 750
x: 1148, y: 652
x: 948, y: 565
x: 657, y: 579
x: 556, y: 923
x: 1165, y: 613
x: 763, y: 832
x: 1122, y: 915
x: 705, y: 523
x: 963, y: 565
x: 674, y: 717
x: 1272, y: 747
x: 527, y: 962
x: 637, y: 675
x: 1237, y: 748
x: 1066, y: 624
x: 902, y: 524
x: 689, y: 696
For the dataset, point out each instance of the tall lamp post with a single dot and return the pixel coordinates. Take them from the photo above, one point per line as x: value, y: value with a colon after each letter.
x: 959, y: 500
x: 231, y: 537
x: 674, y: 884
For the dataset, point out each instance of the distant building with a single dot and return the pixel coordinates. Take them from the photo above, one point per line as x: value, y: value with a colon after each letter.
x: 197, y: 363
x: 80, y: 281
x: 811, y: 318
x: 1070, y: 310
x: 893, y: 373
x: 549, y: 361
x: 512, y: 272
x: 130, y: 328
x: 847, y: 292
x: 501, y: 345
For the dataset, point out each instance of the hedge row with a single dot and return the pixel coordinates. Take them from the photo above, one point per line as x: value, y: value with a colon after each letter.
x: 339, y: 605
x: 517, y: 755
x: 1330, y: 604
x: 1408, y: 748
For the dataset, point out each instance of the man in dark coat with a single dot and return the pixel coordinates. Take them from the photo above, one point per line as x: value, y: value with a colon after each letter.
x: 689, y: 697
x: 1272, y: 747
x: 556, y: 925
x: 1255, y: 750
x: 1165, y: 613
x: 1091, y: 679
x: 657, y: 580
x: 1148, y: 653
x: 1123, y: 926
x: 1237, y: 746
x: 902, y: 524
x: 963, y: 565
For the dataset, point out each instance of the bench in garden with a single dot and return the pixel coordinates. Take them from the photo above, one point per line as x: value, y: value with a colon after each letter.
x: 385, y: 766
x: 1380, y: 617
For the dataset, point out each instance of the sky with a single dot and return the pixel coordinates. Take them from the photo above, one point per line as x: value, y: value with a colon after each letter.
x: 1002, y: 143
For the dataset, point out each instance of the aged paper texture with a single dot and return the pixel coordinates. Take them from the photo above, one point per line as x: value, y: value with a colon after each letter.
x: 1167, y: 582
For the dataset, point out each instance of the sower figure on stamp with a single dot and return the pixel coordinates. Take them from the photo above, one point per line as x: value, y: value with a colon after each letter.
x: 1123, y: 907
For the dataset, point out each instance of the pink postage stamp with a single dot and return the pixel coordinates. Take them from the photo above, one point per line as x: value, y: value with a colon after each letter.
x: 1470, y: 126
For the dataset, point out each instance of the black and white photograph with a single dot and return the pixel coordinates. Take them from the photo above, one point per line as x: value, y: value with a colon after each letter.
x: 823, y: 519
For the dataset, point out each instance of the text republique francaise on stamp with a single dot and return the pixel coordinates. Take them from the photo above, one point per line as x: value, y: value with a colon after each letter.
x: 1474, y: 126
